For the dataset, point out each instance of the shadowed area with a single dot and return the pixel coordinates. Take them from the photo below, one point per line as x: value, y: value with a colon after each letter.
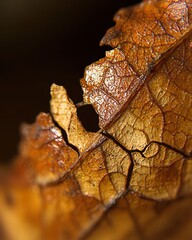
x: 42, y: 42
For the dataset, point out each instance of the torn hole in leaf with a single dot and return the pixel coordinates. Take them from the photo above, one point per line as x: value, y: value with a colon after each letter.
x: 88, y: 118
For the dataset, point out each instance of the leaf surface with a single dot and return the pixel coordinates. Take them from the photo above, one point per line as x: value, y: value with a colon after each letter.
x: 133, y: 178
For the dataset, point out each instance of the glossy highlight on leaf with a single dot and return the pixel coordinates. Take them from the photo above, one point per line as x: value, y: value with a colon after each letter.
x: 133, y: 178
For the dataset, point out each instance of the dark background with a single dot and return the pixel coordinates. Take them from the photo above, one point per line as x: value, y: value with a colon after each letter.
x: 41, y: 42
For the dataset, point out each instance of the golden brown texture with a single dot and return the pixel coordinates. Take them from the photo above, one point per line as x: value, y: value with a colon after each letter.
x: 133, y: 178
x: 142, y: 36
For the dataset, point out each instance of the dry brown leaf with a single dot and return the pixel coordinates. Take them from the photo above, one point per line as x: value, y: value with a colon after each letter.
x: 133, y: 178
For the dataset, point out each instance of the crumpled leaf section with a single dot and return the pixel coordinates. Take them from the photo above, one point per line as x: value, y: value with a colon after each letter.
x: 44, y: 152
x: 161, y: 110
x: 133, y: 178
x: 65, y: 113
x: 108, y: 83
x: 142, y: 37
x: 157, y: 172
